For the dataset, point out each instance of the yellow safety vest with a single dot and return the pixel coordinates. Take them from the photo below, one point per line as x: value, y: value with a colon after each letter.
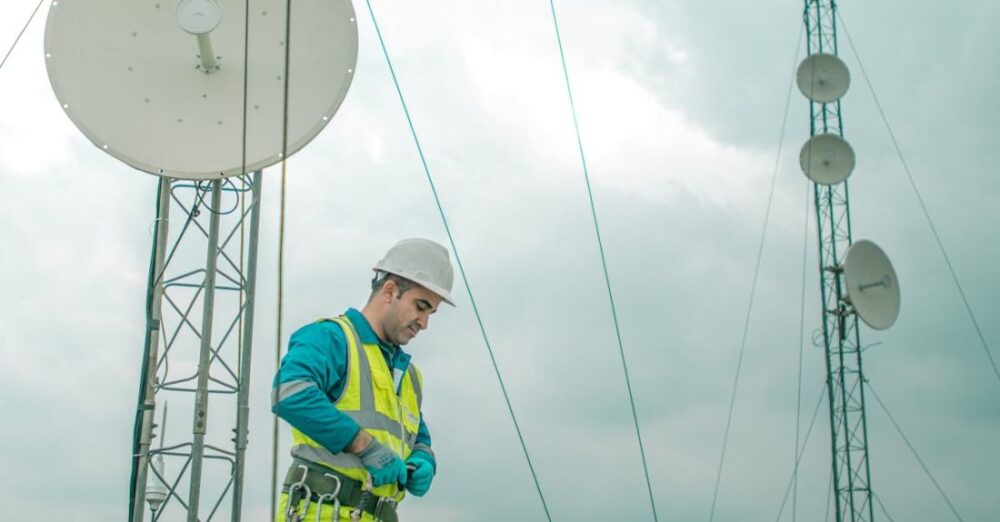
x: 371, y: 399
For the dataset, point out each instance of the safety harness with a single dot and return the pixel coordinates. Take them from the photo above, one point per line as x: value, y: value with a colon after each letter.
x: 307, y: 483
x: 379, y: 410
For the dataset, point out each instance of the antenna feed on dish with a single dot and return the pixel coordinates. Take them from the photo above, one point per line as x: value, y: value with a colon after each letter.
x: 200, y: 18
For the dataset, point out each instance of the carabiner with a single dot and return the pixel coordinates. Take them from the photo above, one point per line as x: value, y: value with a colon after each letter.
x: 292, y: 513
x: 330, y: 496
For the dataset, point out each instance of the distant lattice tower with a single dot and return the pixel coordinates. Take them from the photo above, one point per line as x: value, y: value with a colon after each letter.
x: 857, y: 279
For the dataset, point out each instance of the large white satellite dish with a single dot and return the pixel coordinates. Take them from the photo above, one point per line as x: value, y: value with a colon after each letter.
x: 130, y: 75
x: 827, y: 159
x: 823, y: 78
x: 872, y: 287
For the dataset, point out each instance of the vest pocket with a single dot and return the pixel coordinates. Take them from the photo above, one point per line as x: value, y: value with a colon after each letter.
x: 382, y: 379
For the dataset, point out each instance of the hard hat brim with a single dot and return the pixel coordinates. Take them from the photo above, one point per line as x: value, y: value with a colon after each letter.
x: 440, y: 292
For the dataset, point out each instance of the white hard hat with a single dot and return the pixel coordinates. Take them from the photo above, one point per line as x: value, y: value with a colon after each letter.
x: 422, y: 261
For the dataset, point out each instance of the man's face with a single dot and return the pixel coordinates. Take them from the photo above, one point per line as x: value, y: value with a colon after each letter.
x: 409, y: 314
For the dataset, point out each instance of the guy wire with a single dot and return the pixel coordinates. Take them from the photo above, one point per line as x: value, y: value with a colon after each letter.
x: 23, y: 29
x: 916, y: 455
x: 885, y: 512
x: 802, y: 327
x: 281, y: 249
x: 923, y: 206
x: 458, y: 260
x: 243, y: 180
x: 799, y: 452
x: 604, y: 262
x: 829, y: 495
x: 753, y: 285
x: 151, y: 281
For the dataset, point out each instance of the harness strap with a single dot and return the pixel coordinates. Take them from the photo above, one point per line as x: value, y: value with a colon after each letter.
x: 318, y: 482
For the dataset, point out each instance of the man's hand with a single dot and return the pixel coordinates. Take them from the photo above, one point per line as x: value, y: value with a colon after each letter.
x: 422, y: 474
x: 383, y: 465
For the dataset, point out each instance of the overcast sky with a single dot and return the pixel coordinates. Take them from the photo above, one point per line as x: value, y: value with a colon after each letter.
x: 680, y: 106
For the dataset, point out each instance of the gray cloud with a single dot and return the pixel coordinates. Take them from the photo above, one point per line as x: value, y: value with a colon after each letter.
x: 679, y: 107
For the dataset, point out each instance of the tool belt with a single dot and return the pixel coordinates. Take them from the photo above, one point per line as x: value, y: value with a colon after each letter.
x: 310, y: 482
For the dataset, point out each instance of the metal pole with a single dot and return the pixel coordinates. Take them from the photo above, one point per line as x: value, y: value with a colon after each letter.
x: 207, y: 54
x: 200, y: 420
x: 153, y: 341
x: 243, y: 407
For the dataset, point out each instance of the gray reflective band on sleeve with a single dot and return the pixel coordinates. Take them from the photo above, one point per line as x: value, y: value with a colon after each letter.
x: 325, y: 457
x: 287, y: 389
x: 416, y: 385
x: 425, y: 448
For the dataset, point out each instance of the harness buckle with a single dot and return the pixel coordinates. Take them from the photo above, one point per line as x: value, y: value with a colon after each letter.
x: 297, y: 492
x: 382, y: 503
x: 366, y: 497
x: 330, y: 497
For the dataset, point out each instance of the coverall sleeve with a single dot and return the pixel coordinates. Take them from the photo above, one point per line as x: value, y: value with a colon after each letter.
x: 423, y: 441
x: 305, y: 385
x: 423, y: 434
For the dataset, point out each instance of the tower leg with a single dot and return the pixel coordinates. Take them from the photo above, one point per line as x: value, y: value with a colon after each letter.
x: 183, y: 335
x: 200, y: 421
x: 153, y: 310
x: 243, y: 408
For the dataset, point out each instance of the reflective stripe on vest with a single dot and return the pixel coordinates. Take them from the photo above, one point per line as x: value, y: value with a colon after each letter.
x: 371, y: 400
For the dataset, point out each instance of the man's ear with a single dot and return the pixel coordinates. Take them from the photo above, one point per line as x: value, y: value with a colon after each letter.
x: 389, y: 290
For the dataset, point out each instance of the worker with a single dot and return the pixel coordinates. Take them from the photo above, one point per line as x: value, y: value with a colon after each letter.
x: 352, y: 396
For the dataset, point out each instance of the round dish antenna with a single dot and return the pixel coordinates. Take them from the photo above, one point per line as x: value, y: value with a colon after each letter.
x: 872, y: 287
x: 823, y: 78
x: 199, y: 16
x: 162, y: 88
x: 827, y: 159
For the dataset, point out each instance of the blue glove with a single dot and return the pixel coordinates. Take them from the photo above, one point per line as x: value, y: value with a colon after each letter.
x: 422, y: 474
x: 385, y: 467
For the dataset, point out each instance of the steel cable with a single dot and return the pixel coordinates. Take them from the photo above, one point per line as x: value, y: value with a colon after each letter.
x: 802, y: 325
x: 914, y: 451
x: 753, y: 284
x: 799, y: 452
x: 281, y: 251
x: 923, y: 206
x: 151, y: 280
x: 829, y: 498
x: 604, y: 262
x: 458, y: 260
x: 23, y: 29
x: 878, y: 500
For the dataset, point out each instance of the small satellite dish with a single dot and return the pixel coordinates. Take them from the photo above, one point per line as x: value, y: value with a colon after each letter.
x: 199, y: 16
x: 823, y: 78
x: 160, y: 84
x: 827, y: 159
x: 872, y: 287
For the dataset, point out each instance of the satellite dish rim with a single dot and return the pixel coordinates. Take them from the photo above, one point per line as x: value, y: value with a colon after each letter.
x: 839, y: 82
x: 216, y: 17
x: 863, y: 260
x: 59, y: 81
x: 815, y: 172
